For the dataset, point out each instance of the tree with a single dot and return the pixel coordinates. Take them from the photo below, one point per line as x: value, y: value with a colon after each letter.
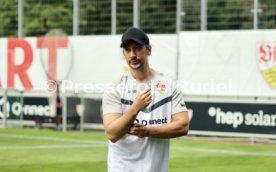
x: 42, y: 16
x: 124, y: 15
x: 95, y: 17
x: 156, y: 16
x: 8, y: 18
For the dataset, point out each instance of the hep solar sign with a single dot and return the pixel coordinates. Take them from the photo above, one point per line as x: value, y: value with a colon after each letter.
x: 233, y: 117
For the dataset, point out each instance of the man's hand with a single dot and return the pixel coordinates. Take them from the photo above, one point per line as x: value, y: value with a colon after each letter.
x: 138, y: 130
x: 143, y: 99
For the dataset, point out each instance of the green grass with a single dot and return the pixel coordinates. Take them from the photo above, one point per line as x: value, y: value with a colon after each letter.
x: 28, y: 150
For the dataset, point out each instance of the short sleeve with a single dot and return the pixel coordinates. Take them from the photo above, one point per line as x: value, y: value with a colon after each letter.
x: 111, y: 102
x: 178, y: 102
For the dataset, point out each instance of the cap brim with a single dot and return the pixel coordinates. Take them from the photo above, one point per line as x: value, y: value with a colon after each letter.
x: 131, y: 39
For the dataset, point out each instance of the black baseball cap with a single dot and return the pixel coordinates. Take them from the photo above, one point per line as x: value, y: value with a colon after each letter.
x: 136, y: 35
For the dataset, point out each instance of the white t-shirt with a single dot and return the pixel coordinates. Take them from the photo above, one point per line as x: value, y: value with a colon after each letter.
x: 131, y: 153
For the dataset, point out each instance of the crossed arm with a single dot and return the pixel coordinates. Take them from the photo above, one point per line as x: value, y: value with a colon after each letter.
x: 117, y: 125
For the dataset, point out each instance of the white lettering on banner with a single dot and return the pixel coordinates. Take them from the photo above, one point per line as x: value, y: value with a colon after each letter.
x: 237, y: 118
x: 16, y: 108
x: 229, y: 118
x: 260, y: 119
x: 2, y: 100
x: 37, y: 110
x: 32, y: 110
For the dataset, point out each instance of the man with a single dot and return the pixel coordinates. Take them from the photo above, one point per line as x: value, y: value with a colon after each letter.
x: 141, y: 111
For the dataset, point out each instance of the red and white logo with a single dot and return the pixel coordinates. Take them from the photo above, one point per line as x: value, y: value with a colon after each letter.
x: 161, y: 87
x: 267, y: 62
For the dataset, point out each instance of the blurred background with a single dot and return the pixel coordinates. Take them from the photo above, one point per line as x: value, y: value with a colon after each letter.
x: 222, y: 52
x: 58, y: 56
x: 83, y: 17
